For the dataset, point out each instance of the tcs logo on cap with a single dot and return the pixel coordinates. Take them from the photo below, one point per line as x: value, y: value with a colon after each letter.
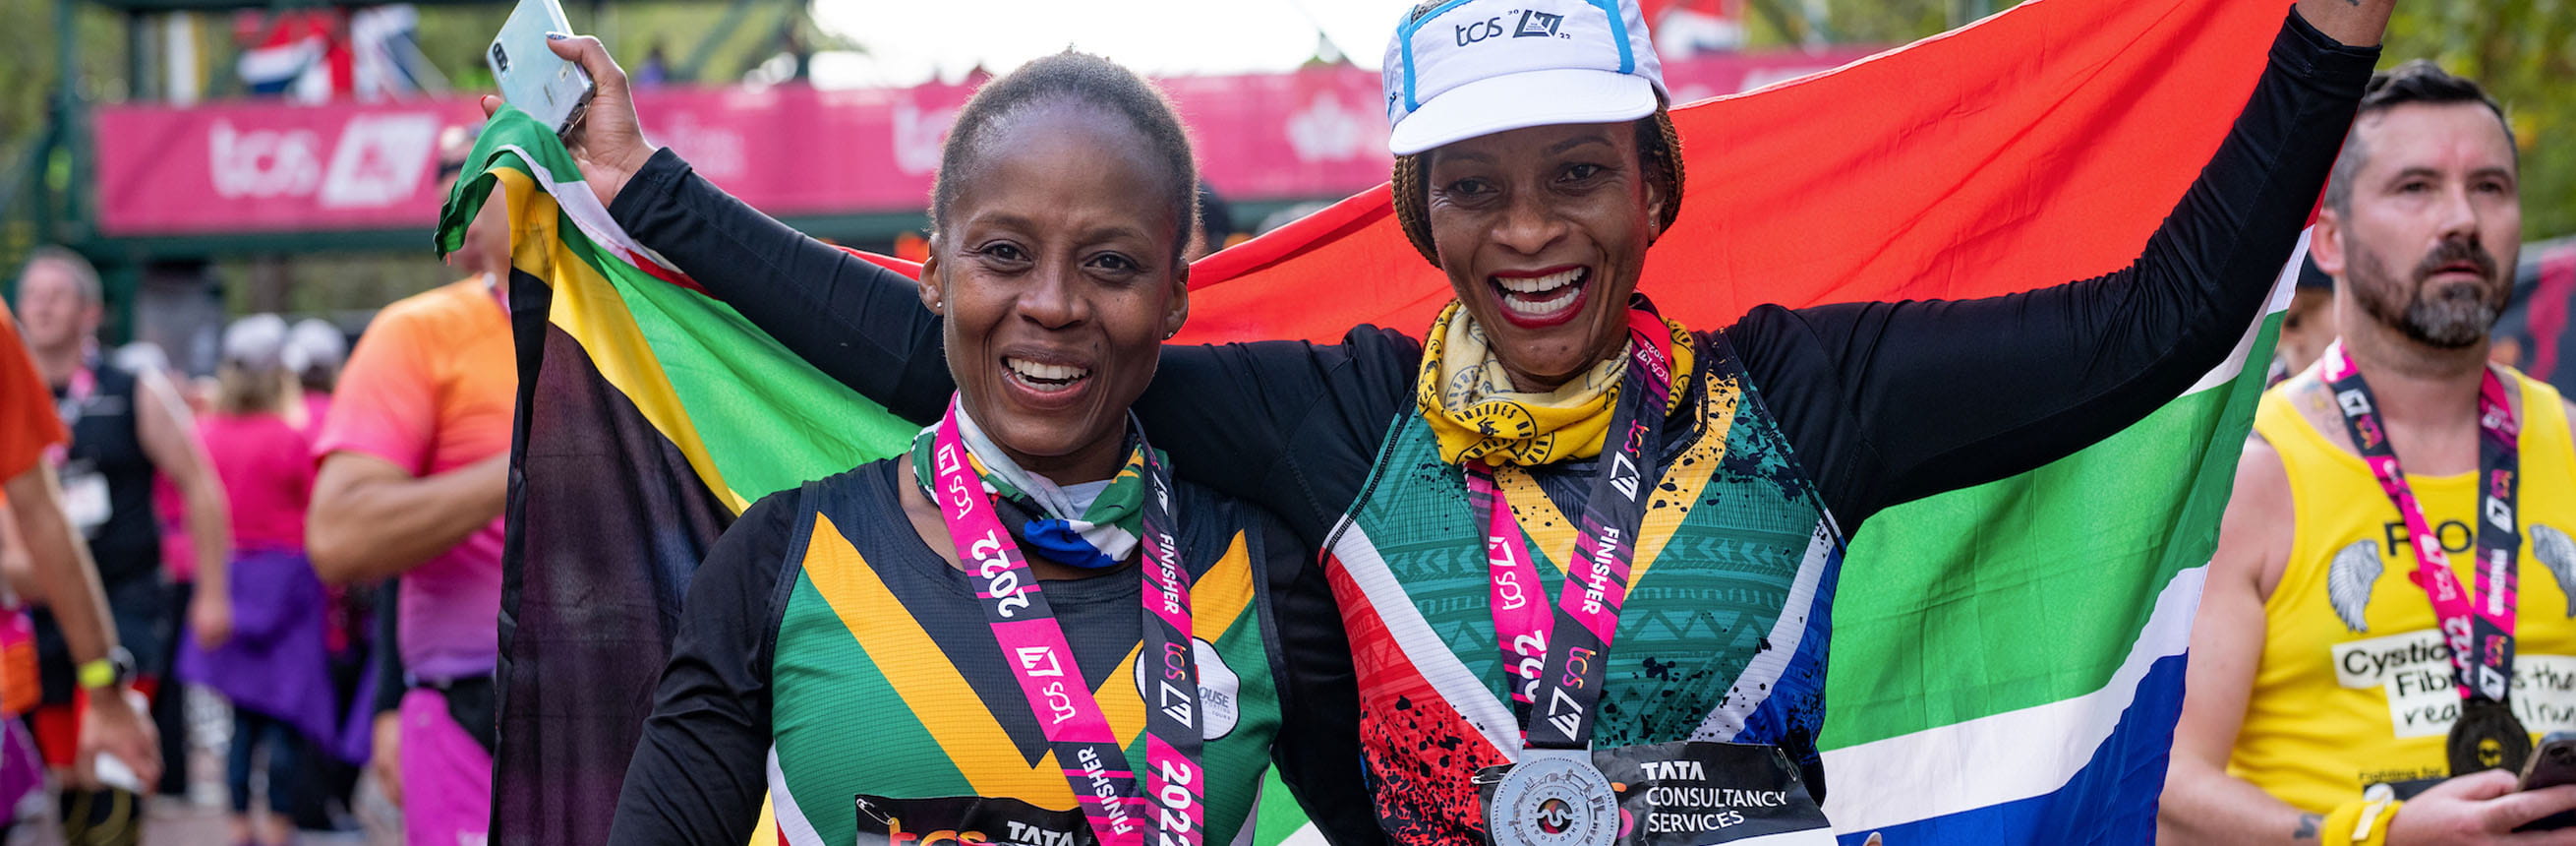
x: 1527, y: 24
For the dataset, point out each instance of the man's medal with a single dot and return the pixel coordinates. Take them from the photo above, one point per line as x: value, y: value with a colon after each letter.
x: 2487, y: 736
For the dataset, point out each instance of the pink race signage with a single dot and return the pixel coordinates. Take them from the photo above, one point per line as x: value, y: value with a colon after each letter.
x: 245, y: 167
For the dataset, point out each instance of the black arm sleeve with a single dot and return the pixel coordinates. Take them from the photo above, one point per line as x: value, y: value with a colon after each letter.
x: 1890, y: 402
x: 862, y: 324
x: 700, y: 771
x: 1245, y: 419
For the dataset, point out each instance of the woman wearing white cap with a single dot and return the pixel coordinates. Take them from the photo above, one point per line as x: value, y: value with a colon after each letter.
x: 1535, y: 166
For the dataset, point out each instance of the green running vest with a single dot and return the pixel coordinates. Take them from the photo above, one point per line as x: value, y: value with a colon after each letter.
x: 887, y: 682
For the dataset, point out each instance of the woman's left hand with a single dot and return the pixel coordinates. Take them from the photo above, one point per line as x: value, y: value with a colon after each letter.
x: 211, y: 617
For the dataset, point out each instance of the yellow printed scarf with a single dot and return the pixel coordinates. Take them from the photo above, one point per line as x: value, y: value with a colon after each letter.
x: 1468, y: 398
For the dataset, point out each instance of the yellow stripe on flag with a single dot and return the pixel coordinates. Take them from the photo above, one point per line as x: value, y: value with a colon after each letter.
x: 587, y: 307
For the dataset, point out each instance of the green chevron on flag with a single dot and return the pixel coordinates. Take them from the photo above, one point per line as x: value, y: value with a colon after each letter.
x: 2042, y: 654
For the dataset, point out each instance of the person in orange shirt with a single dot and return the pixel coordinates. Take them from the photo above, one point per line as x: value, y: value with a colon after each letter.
x: 62, y: 569
x: 414, y: 473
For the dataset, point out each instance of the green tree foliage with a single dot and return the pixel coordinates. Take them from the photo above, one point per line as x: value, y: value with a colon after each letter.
x: 2523, y: 51
x: 454, y: 36
x: 27, y: 70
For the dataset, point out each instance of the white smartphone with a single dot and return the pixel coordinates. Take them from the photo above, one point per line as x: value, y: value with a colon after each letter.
x: 548, y: 87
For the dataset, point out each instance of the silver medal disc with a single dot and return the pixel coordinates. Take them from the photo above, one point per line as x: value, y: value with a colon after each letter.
x: 1553, y: 798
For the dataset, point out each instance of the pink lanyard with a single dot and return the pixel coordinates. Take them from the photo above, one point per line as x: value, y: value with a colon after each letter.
x: 1572, y: 668
x: 2478, y: 627
x: 1033, y: 645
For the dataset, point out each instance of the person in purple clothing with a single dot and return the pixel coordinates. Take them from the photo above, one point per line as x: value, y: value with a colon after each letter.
x: 273, y: 668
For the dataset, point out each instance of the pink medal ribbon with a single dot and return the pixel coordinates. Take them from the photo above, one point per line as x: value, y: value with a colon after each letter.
x: 1034, y: 646
x: 1535, y: 648
x: 2477, y: 627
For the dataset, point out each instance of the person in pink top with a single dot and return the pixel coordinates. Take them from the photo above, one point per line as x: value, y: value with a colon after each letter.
x: 324, y: 350
x: 414, y: 474
x: 274, y: 668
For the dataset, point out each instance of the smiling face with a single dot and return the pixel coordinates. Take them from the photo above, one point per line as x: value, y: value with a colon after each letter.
x: 1057, y: 271
x: 1543, y: 232
x: 2427, y: 239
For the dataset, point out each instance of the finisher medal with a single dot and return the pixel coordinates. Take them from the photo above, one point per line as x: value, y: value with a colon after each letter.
x: 1553, y: 797
x: 2487, y: 736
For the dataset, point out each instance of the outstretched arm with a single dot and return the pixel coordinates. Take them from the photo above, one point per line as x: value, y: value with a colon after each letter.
x: 861, y: 324
x: 1915, y: 398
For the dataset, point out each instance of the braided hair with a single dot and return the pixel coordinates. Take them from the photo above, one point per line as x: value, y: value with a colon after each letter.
x: 1659, y: 145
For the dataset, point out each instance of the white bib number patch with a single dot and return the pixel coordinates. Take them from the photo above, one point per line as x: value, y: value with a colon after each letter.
x: 2413, y: 670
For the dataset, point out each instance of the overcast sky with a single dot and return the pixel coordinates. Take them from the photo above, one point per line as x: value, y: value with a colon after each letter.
x: 911, y: 42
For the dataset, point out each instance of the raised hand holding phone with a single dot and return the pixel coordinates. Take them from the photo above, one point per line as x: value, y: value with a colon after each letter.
x: 530, y: 75
x: 608, y: 142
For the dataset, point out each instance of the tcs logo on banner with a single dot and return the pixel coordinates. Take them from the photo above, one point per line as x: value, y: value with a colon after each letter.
x: 1525, y: 24
x: 377, y: 160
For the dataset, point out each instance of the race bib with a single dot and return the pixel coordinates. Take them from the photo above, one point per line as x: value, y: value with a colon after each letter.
x: 85, y: 499
x: 967, y: 821
x: 2413, y: 670
x: 1694, y: 793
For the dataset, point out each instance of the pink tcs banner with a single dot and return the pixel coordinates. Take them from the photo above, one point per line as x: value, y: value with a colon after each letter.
x: 257, y: 167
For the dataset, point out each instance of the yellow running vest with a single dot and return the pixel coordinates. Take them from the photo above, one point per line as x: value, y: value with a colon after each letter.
x: 2355, y: 686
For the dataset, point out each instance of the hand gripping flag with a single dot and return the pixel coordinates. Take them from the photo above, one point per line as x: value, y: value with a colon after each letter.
x: 2040, y: 145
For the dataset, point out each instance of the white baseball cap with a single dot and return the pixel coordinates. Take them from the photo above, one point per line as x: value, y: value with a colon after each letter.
x: 1477, y: 67
x: 258, y: 343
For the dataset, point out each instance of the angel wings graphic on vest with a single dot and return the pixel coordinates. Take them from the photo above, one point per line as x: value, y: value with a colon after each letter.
x: 2352, y: 573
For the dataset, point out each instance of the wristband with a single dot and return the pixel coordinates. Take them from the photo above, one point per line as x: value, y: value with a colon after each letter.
x: 2364, y: 821
x: 116, y: 668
